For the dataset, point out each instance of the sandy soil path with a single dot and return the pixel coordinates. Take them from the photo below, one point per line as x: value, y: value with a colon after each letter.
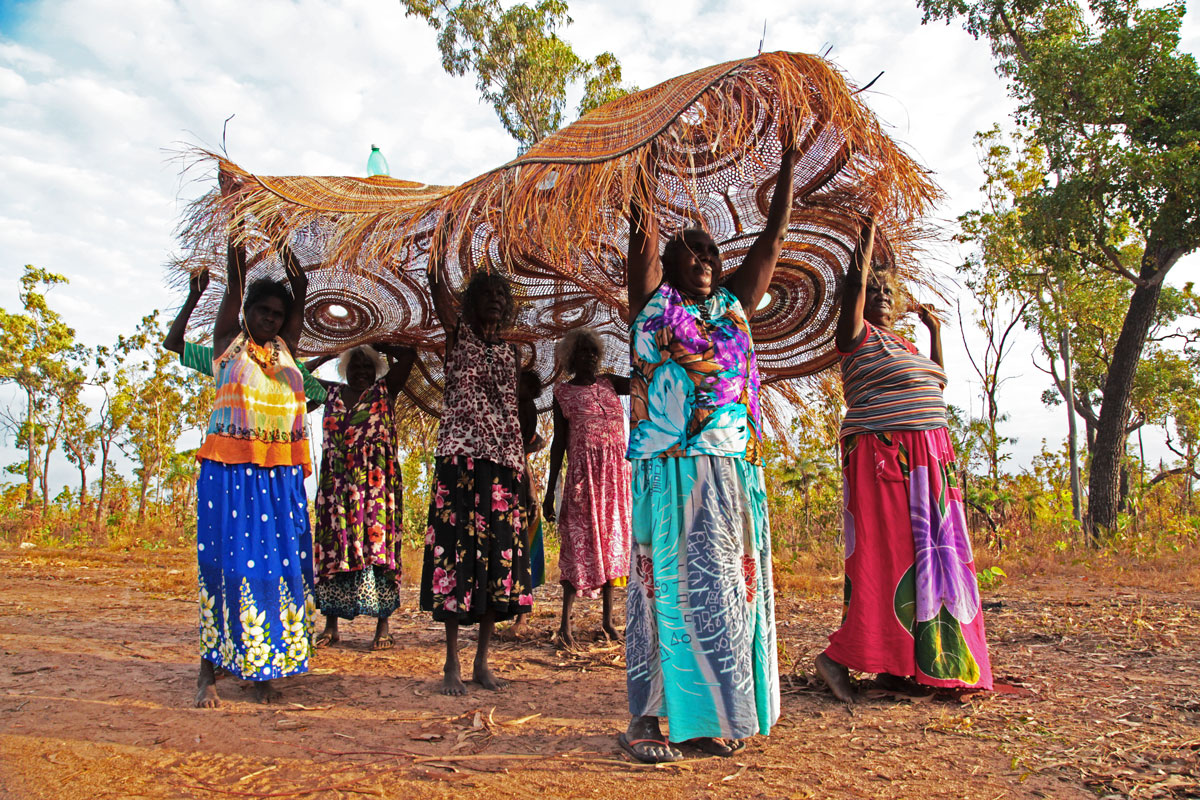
x: 97, y: 670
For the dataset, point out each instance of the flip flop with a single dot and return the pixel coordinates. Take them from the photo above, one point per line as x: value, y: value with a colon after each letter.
x: 384, y: 643
x: 630, y: 747
x: 726, y: 748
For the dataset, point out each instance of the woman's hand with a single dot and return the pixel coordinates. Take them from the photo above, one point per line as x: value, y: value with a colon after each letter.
x: 928, y: 316
x: 548, y: 506
x: 198, y: 283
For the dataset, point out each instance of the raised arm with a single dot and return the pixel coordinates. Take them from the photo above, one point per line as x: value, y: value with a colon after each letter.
x: 400, y: 364
x: 934, y: 326
x: 750, y: 282
x: 445, y: 305
x: 196, y: 286
x: 643, y: 269
x: 558, y: 448
x: 294, y: 323
x: 850, y: 328
x: 620, y: 383
x: 313, y: 364
x: 228, y: 323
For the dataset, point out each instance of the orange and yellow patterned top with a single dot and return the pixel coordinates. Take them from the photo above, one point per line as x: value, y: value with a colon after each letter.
x: 258, y: 416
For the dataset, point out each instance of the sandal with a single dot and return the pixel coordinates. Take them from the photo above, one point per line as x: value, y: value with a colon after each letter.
x: 723, y: 748
x: 643, y: 755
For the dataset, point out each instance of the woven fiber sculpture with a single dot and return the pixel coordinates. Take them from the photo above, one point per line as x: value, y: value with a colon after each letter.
x: 555, y: 219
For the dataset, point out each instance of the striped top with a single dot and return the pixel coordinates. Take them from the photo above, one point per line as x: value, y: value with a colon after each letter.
x: 889, y: 386
x: 200, y: 358
x: 258, y: 415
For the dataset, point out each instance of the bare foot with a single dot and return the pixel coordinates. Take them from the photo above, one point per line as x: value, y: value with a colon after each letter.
x: 484, y: 677
x: 565, y: 637
x: 330, y: 634
x: 264, y: 692
x: 452, y: 682
x: 611, y: 633
x: 383, y: 639
x: 895, y: 683
x: 206, y: 689
x: 836, y: 677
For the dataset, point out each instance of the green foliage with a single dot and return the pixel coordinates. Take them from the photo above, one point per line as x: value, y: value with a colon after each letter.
x: 38, y: 355
x: 1111, y: 104
x: 521, y: 66
x: 990, y: 577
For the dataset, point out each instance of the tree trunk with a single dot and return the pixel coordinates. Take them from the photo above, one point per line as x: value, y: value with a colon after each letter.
x: 30, y: 449
x: 1104, y: 481
x: 103, y: 481
x: 1064, y: 346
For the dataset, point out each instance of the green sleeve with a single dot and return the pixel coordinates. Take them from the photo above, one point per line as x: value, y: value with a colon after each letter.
x: 313, y: 389
x: 198, y: 357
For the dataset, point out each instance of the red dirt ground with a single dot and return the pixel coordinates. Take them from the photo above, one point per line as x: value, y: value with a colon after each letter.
x: 97, y: 673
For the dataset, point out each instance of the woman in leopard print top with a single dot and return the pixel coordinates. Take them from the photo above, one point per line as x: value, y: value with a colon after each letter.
x: 476, y: 569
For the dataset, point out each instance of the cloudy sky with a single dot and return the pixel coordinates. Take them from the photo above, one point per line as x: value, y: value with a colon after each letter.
x: 95, y: 96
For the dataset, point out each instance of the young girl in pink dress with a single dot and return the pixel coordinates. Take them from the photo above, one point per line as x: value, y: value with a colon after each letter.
x: 593, y: 527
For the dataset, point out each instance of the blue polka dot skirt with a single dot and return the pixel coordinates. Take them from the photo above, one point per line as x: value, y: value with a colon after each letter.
x: 254, y: 549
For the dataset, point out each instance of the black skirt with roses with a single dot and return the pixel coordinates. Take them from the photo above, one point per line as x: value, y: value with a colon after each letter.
x: 475, y: 559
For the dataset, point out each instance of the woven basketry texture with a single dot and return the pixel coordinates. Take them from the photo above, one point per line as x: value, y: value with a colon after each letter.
x: 555, y: 219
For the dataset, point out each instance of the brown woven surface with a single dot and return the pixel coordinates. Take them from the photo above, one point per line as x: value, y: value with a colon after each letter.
x: 555, y: 218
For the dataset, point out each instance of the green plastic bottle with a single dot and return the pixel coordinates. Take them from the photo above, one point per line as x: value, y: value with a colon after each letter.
x: 376, y: 163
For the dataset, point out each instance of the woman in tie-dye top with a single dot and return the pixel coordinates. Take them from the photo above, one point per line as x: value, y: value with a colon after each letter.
x: 911, y: 599
x: 700, y: 620
x: 253, y: 544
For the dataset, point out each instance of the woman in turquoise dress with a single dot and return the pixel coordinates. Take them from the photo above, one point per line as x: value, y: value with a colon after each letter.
x: 700, y: 619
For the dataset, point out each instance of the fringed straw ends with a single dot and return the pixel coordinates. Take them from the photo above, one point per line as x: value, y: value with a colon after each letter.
x: 704, y: 150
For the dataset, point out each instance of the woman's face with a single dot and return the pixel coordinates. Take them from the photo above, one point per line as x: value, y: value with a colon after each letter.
x: 586, y: 358
x: 879, y: 308
x: 697, y: 265
x: 490, y: 303
x: 360, y: 370
x: 265, y: 318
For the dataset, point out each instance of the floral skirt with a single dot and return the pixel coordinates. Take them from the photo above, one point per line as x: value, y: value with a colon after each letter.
x: 370, y: 591
x: 911, y: 597
x: 537, y: 559
x: 700, y: 608
x: 475, y: 555
x: 254, y: 552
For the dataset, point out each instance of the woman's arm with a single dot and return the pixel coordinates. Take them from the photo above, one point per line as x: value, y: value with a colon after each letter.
x: 558, y: 448
x: 400, y: 364
x: 925, y: 314
x: 228, y: 323
x: 643, y: 270
x: 314, y: 363
x: 850, y: 328
x: 619, y: 383
x: 294, y: 324
x: 445, y: 304
x: 750, y: 282
x: 196, y: 286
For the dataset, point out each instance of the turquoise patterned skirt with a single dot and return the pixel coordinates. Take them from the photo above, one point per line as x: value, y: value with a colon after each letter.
x: 254, y: 552
x: 700, y: 607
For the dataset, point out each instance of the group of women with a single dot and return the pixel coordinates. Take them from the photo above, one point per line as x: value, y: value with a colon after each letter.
x: 679, y: 506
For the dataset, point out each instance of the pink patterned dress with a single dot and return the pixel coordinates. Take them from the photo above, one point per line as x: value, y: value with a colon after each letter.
x: 594, y: 519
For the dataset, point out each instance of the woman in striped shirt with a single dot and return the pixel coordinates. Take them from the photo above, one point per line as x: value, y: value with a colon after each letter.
x: 911, y: 607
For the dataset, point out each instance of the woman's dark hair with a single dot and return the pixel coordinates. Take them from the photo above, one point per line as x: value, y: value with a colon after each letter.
x: 679, y: 242
x: 481, y: 282
x: 263, y: 288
